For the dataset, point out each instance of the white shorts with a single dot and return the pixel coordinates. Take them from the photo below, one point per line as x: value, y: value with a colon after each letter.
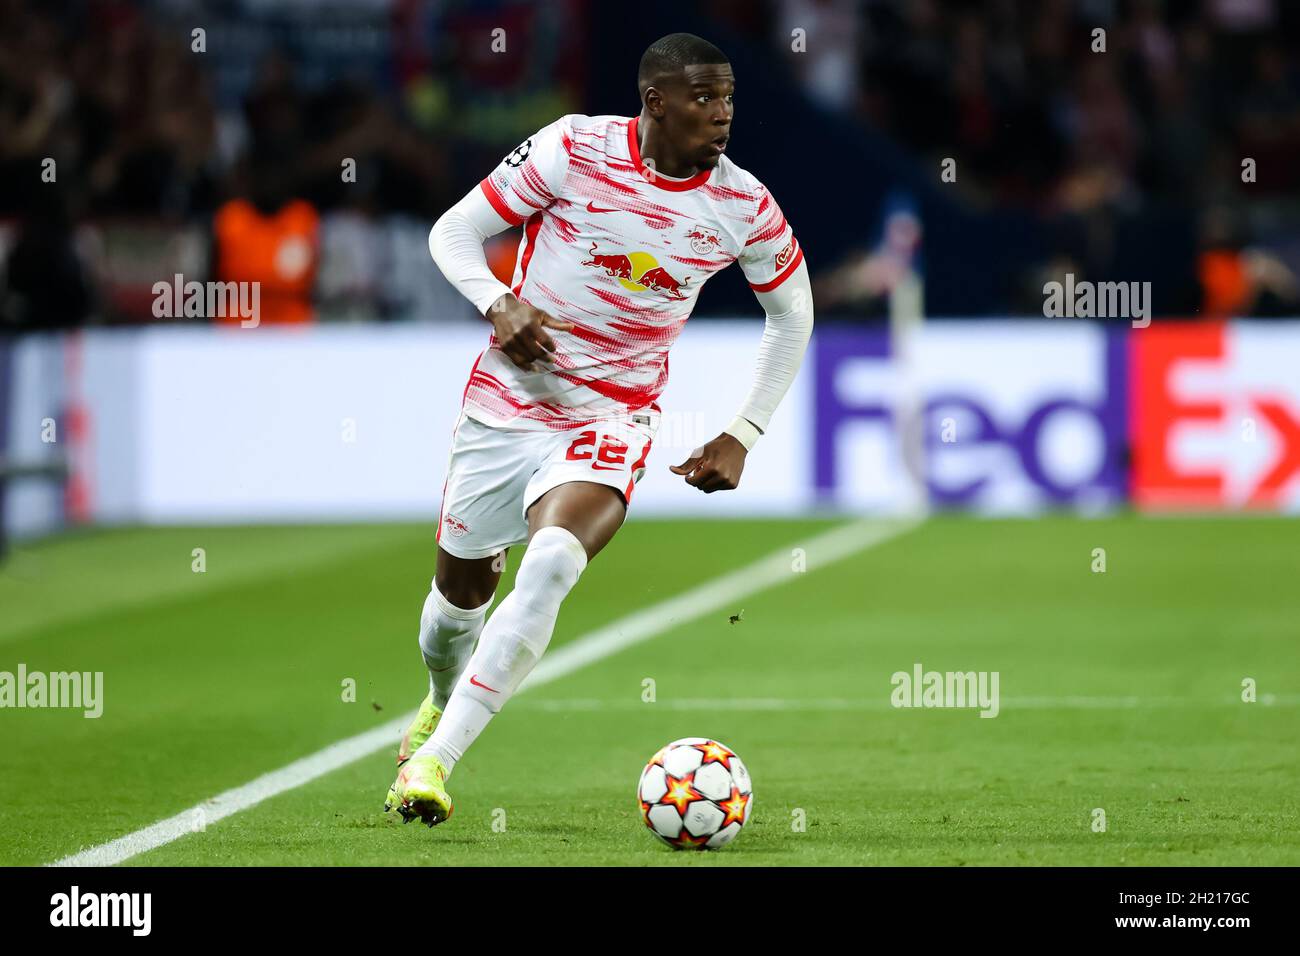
x: 495, y: 474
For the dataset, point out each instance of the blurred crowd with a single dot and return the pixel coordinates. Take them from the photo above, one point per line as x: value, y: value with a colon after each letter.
x: 1078, y: 108
x: 127, y: 154
x: 305, y: 146
x: 1054, y: 102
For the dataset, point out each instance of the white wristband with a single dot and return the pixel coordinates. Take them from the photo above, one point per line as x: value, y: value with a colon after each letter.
x: 744, y: 431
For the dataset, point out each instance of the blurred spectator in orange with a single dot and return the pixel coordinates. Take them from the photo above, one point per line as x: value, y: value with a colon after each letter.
x: 1237, y: 279
x: 270, y: 238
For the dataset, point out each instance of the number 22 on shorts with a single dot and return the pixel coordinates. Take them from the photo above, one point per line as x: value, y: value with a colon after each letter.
x: 611, y: 455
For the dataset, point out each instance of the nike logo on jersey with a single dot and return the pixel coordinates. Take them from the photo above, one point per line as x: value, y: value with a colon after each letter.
x: 591, y: 207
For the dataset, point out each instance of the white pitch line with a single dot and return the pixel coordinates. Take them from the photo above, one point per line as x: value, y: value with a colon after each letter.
x: 250, y: 794
x: 776, y: 568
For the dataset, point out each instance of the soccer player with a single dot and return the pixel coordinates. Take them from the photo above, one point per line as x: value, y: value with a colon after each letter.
x: 624, y: 221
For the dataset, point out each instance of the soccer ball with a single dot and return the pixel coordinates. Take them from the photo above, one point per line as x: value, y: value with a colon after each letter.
x: 695, y: 794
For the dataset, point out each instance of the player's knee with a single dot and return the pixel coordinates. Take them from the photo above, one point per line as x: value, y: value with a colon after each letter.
x: 553, y: 562
x: 463, y: 592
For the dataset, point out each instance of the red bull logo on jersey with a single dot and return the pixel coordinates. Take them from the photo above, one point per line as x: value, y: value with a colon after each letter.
x: 617, y: 265
x: 704, y: 240
x: 638, y: 272
x: 455, y: 527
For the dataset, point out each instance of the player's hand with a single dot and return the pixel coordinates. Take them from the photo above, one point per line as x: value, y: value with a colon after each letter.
x: 521, y: 331
x: 716, y: 466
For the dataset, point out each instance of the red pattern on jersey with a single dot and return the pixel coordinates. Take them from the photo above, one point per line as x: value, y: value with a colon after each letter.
x: 612, y: 187
x: 721, y: 193
x: 541, y: 195
x: 489, y: 393
x: 560, y: 307
x: 499, y: 204
x: 712, y: 264
x: 646, y: 332
x: 625, y: 304
x: 565, y: 230
x: 530, y: 243
x: 633, y: 396
x: 773, y: 228
x: 632, y: 341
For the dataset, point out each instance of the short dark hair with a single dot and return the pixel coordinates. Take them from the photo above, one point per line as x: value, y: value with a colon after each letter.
x: 673, y: 52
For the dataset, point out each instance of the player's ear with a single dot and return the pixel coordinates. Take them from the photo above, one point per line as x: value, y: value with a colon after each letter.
x: 654, y: 101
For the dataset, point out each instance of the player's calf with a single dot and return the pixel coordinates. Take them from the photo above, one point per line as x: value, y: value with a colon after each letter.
x: 447, y: 637
x: 522, y: 626
x: 512, y: 642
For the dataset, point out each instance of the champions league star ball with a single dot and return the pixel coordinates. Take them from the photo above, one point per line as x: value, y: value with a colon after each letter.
x: 695, y: 794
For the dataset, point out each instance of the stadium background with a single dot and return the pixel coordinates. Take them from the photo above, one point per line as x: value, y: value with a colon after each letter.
x: 1123, y: 165
x: 933, y: 383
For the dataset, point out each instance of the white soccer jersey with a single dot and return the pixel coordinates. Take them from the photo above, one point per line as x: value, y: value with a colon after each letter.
x: 622, y: 253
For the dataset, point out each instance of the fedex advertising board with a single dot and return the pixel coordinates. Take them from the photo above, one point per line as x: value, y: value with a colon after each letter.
x: 1215, y: 417
x: 1011, y: 417
x: 344, y: 424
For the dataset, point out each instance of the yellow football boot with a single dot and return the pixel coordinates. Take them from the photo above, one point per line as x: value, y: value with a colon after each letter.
x: 420, y: 791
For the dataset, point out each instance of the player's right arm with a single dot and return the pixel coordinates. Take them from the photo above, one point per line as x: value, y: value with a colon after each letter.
x: 528, y: 180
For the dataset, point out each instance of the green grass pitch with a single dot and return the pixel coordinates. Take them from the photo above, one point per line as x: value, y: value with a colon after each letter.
x: 1121, y: 691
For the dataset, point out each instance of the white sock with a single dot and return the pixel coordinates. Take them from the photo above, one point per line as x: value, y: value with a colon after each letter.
x: 512, y: 643
x: 447, y: 636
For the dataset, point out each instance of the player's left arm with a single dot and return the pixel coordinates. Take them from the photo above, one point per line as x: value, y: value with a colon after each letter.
x: 773, y: 264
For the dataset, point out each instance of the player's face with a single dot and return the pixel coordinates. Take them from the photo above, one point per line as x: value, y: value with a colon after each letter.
x: 698, y: 111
